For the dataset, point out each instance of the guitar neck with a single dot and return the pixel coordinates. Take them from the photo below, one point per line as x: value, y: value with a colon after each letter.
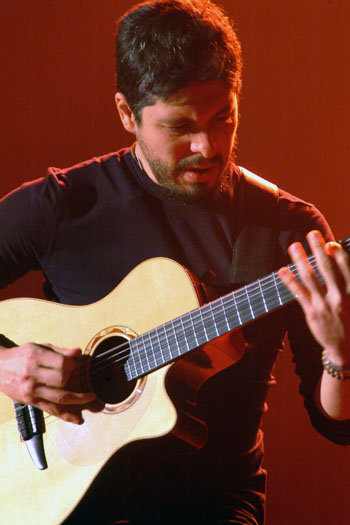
x: 165, y: 343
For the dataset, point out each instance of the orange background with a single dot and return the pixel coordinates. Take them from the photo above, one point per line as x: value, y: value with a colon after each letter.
x: 57, y: 108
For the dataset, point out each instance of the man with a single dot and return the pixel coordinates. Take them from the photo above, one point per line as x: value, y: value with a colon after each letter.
x: 175, y: 194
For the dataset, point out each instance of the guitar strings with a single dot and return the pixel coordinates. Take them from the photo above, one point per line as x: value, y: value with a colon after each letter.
x: 101, y: 365
x: 121, y: 352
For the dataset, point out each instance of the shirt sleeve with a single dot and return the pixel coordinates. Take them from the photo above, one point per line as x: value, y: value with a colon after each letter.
x: 307, y: 352
x: 27, y: 221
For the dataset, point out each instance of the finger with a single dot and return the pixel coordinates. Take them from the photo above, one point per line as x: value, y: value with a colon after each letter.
x: 294, y: 286
x: 70, y: 414
x: 325, y: 262
x: 341, y: 259
x: 59, y: 396
x: 60, y: 367
x: 304, y: 269
x: 52, y: 377
x: 69, y: 352
x: 56, y: 357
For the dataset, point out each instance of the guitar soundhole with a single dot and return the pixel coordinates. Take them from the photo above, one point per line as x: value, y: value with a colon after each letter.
x: 106, y: 370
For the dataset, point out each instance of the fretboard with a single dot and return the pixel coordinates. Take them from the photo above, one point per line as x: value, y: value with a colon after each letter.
x: 175, y: 338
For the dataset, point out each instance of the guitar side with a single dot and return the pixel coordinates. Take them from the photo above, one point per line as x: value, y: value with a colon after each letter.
x: 156, y: 291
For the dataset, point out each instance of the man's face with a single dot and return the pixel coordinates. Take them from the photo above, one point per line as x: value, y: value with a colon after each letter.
x: 185, y: 143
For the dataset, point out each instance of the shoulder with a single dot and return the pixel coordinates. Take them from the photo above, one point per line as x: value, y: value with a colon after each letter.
x: 295, y: 215
x: 71, y: 191
x: 301, y: 216
x: 57, y: 181
x: 79, y: 185
x: 93, y: 171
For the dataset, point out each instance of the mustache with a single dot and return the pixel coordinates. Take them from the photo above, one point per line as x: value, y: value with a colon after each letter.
x: 197, y: 161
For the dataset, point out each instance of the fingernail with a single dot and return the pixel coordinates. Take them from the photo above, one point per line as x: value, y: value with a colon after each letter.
x: 315, y: 235
x: 283, y: 272
x: 295, y: 247
x: 332, y: 248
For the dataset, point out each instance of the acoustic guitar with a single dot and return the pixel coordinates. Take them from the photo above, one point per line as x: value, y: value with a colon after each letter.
x: 130, y: 341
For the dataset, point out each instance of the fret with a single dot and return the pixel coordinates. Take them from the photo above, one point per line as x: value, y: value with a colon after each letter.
x: 215, y: 325
x: 198, y: 322
x: 170, y: 340
x: 255, y: 300
x: 142, y: 359
x: 194, y: 331
x: 219, y: 317
x: 236, y: 311
x: 127, y: 369
x: 131, y: 359
x: 262, y: 295
x: 150, y: 356
x: 249, y: 303
x: 242, y: 302
x: 277, y: 289
x: 205, y: 333
x: 285, y: 293
x: 173, y: 334
x: 141, y: 345
x: 225, y: 318
x: 270, y: 293
x: 162, y: 351
x: 179, y: 335
x: 136, y: 358
x: 188, y: 331
x: 184, y: 334
x: 210, y: 327
x: 211, y: 322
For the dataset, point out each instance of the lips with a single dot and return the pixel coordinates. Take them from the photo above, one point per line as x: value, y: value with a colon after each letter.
x: 197, y: 174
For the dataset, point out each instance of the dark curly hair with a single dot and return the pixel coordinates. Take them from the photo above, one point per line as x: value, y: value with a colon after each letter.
x: 163, y: 45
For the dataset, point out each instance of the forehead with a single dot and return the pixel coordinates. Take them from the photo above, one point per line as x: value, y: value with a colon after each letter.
x: 196, y: 100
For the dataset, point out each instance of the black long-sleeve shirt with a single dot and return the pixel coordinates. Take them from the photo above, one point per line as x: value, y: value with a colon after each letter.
x: 88, y: 226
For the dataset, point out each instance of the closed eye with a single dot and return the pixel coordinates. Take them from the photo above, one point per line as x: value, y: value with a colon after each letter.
x: 179, y: 128
x: 227, y: 117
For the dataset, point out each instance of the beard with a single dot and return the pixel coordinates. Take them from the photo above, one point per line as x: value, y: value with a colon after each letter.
x: 196, y: 192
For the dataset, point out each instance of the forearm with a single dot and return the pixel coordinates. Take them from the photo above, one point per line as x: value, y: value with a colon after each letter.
x: 334, y: 397
x: 334, y: 393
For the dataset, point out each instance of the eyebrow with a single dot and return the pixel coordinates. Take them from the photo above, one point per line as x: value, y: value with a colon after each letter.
x: 177, y: 119
x: 226, y: 109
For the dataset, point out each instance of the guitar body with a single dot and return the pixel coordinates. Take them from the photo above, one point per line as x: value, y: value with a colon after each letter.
x: 155, y: 292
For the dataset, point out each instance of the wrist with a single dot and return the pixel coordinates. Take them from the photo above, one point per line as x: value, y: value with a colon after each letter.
x: 337, y: 357
x: 334, y: 368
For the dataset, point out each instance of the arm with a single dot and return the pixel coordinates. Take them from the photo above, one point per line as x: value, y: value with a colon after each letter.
x: 35, y: 374
x: 327, y: 312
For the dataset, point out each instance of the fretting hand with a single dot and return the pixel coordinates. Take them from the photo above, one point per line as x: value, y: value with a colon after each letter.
x: 326, y: 306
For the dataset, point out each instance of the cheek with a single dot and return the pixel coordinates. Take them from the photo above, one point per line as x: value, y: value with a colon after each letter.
x: 176, y: 150
x: 226, y: 136
x: 226, y: 143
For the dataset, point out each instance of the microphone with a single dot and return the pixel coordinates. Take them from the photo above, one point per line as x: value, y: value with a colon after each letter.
x: 31, y: 426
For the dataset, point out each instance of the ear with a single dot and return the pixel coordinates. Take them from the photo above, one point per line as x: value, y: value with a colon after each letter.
x: 125, y: 113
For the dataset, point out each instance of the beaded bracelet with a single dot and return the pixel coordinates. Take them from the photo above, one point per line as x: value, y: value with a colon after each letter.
x: 336, y: 371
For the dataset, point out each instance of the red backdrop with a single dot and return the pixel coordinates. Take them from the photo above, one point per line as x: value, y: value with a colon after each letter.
x: 57, y: 108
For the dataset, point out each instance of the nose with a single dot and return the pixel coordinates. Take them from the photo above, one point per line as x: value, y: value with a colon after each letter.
x: 204, y: 144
